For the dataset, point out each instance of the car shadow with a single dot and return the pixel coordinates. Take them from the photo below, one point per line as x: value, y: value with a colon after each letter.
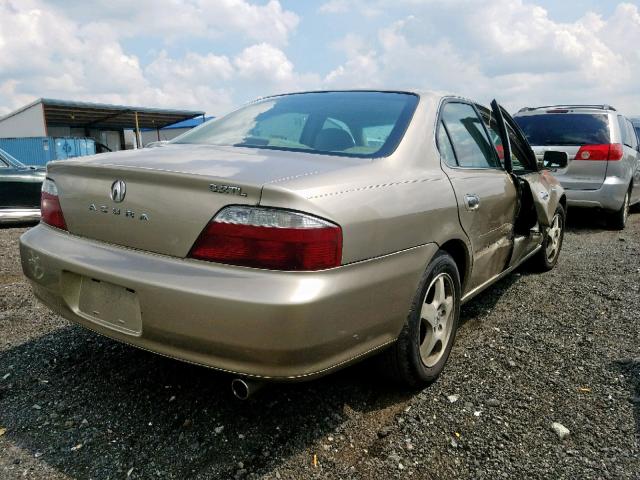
x: 586, y: 220
x: 91, y: 407
x: 630, y: 367
x: 12, y: 225
x: 472, y: 311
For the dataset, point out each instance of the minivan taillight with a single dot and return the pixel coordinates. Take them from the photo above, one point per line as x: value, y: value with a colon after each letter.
x: 607, y: 151
x: 269, y: 238
x: 50, y: 210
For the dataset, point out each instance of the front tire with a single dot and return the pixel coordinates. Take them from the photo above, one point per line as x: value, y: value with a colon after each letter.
x: 547, y: 256
x: 618, y: 220
x: 422, y: 349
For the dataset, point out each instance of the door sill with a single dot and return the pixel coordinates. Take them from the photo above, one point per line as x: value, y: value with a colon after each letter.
x: 469, y: 295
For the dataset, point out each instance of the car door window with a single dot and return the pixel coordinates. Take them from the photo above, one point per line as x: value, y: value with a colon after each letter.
x: 468, y: 136
x: 633, y: 140
x: 3, y: 164
x: 624, y: 134
x: 444, y: 146
x: 636, y: 127
x: 517, y: 157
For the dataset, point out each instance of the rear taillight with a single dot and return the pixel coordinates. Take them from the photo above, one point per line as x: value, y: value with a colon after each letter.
x: 50, y: 210
x: 607, y: 151
x: 269, y: 238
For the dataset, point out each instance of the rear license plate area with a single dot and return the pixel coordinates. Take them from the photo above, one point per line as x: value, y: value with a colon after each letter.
x: 109, y: 305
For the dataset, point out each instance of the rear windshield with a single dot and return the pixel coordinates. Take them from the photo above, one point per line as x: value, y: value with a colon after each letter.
x: 355, y: 124
x: 565, y: 128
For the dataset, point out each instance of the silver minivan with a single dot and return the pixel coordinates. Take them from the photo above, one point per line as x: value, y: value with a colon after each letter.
x: 603, y: 168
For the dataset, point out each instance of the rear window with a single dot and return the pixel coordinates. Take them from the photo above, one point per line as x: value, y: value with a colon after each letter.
x: 355, y: 124
x: 565, y: 128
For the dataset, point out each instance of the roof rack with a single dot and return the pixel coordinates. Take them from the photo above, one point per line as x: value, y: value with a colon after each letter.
x: 599, y: 107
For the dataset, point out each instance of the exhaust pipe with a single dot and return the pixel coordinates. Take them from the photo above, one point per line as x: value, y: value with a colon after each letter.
x: 243, y: 388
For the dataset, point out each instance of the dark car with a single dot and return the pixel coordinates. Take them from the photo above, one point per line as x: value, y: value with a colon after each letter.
x: 19, y: 190
x: 636, y: 126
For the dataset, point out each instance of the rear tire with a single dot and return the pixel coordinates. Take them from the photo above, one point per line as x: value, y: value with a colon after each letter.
x: 422, y: 349
x: 618, y: 220
x: 547, y: 256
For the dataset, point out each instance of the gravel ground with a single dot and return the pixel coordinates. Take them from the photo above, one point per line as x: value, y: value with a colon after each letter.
x: 534, y: 349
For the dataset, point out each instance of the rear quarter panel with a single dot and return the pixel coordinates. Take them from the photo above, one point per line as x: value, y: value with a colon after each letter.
x: 384, y: 205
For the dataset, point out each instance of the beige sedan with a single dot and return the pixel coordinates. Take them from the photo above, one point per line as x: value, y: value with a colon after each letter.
x: 299, y: 234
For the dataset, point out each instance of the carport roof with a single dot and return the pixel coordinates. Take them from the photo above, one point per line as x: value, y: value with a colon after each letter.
x: 105, y: 116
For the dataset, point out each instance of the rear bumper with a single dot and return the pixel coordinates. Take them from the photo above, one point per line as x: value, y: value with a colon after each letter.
x: 17, y: 215
x: 609, y: 196
x: 280, y: 325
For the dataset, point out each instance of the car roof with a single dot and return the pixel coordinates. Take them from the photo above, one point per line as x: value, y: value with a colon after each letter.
x: 556, y: 109
x: 431, y: 94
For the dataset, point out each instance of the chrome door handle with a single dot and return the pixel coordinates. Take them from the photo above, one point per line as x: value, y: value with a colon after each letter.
x: 472, y: 202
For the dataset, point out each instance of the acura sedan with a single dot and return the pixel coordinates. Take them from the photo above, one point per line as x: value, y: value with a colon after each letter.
x: 300, y: 233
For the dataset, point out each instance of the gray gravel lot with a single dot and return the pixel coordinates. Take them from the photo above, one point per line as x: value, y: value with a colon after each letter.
x: 534, y: 349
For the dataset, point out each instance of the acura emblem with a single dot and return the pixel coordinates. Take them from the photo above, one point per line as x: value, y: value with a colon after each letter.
x: 118, y: 191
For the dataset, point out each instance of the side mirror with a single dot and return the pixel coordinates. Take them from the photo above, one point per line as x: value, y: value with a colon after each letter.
x: 555, y: 159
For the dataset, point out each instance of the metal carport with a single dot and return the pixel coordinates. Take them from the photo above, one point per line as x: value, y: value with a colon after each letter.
x: 48, y: 117
x: 110, y: 117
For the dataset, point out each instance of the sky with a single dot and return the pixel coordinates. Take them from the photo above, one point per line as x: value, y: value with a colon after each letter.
x: 215, y: 55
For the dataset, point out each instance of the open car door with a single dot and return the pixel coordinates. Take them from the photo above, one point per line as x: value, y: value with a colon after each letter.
x: 544, y: 193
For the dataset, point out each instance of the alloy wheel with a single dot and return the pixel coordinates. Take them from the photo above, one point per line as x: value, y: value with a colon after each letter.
x: 436, y: 319
x: 554, y: 235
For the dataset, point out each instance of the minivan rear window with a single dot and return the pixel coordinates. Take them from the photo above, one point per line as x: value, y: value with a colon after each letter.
x: 565, y: 128
x: 350, y: 123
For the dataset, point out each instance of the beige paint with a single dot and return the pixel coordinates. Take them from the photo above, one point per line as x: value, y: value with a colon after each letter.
x: 243, y: 320
x: 395, y: 212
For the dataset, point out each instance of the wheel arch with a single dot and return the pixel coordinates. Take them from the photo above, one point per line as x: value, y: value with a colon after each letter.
x: 563, y: 202
x: 459, y: 251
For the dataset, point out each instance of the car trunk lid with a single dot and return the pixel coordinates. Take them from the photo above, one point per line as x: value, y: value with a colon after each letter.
x: 170, y: 192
